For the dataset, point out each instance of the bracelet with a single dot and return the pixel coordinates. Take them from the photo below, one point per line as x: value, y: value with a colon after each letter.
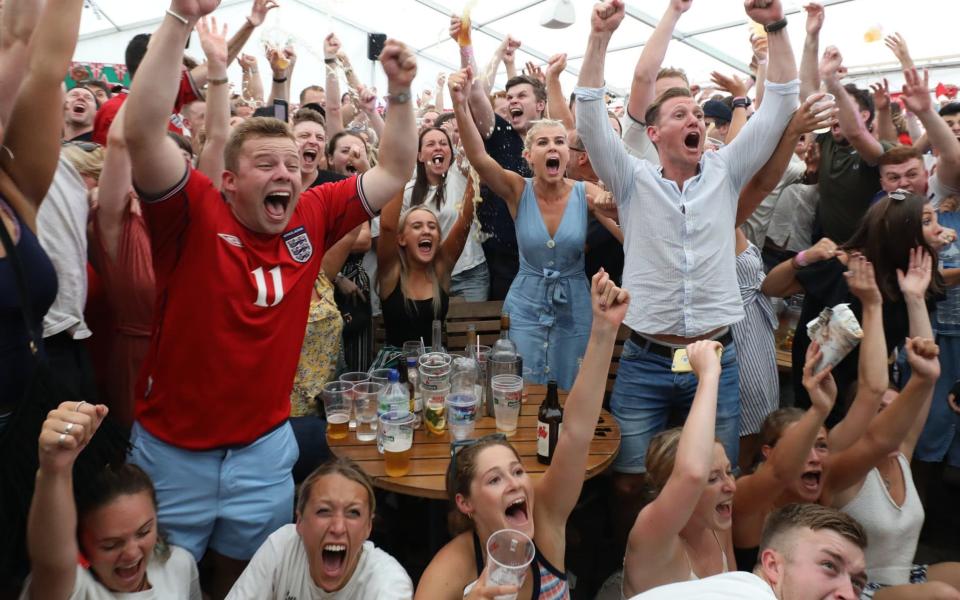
x: 180, y: 18
x: 280, y: 80
x: 330, y: 61
x: 800, y: 259
x: 775, y: 26
x: 739, y: 103
x: 221, y: 81
x: 399, y: 98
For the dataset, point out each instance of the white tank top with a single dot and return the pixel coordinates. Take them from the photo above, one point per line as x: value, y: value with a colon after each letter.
x: 892, y: 530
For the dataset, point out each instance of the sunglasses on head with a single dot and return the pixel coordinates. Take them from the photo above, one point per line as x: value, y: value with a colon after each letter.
x: 899, y: 195
x: 457, y: 445
x: 85, y: 146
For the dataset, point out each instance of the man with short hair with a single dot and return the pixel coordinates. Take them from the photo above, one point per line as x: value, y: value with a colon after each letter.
x: 807, y: 552
x: 678, y: 221
x: 235, y: 270
x: 100, y: 89
x: 79, y: 110
x: 194, y: 117
x: 313, y: 94
x: 310, y: 133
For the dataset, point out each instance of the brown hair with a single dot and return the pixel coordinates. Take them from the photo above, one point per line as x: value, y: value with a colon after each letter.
x: 653, y: 111
x: 308, y: 114
x: 672, y: 72
x: 791, y: 517
x: 887, y: 232
x: 899, y: 155
x: 343, y: 467
x: 252, y: 128
x: 539, y: 90
x: 773, y: 427
x: 460, y: 473
x: 661, y: 456
x: 310, y: 88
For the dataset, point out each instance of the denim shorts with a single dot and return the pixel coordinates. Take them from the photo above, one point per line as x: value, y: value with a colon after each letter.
x: 473, y: 284
x: 646, y: 392
x: 228, y: 499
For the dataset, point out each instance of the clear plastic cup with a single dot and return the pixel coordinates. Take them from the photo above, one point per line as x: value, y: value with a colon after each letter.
x: 337, y: 403
x: 381, y: 376
x: 507, y: 397
x: 462, y: 408
x: 509, y: 554
x: 397, y: 435
x: 434, y: 407
x: 828, y: 102
x: 366, y: 399
x: 353, y: 378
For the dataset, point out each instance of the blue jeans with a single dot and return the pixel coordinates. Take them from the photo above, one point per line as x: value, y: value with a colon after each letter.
x: 473, y: 284
x: 311, y: 434
x: 647, y: 391
x: 940, y: 437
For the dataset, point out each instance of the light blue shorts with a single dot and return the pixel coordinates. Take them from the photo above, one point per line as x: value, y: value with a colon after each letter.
x: 227, y: 499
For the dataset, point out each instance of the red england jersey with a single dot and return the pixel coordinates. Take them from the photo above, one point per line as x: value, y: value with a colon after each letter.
x: 187, y: 93
x: 231, y: 310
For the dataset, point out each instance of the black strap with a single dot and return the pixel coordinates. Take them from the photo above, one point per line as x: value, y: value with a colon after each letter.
x: 26, y: 310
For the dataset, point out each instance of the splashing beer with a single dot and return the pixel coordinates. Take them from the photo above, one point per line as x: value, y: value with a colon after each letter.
x: 464, y: 38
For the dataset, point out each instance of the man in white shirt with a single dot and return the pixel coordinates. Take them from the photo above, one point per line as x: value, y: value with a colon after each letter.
x: 678, y: 221
x: 808, y: 552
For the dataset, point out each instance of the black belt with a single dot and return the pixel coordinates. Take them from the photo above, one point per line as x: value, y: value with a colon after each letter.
x: 649, y: 345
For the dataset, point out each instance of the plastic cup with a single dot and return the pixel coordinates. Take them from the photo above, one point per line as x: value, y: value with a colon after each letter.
x: 527, y: 380
x: 353, y: 378
x: 509, y: 554
x: 434, y: 407
x: 507, y: 397
x: 337, y: 402
x: 381, y: 376
x: 462, y: 414
x: 826, y: 103
x: 412, y: 348
x: 366, y: 399
x: 397, y: 436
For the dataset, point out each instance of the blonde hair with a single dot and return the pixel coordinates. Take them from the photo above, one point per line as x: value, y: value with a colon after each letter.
x: 254, y: 127
x: 536, y: 126
x: 86, y: 162
x: 432, y: 270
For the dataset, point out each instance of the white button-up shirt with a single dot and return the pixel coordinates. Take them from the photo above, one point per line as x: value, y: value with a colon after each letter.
x: 679, y: 258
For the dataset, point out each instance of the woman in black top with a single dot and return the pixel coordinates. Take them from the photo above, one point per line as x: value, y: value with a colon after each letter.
x: 891, y: 227
x: 414, y: 267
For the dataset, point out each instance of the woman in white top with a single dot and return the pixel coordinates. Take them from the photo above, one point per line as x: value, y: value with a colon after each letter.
x: 885, y: 500
x: 115, y: 521
x: 326, y: 553
x: 684, y: 533
x: 442, y: 188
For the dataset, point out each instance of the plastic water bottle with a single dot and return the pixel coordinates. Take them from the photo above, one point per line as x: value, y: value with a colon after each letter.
x: 395, y: 397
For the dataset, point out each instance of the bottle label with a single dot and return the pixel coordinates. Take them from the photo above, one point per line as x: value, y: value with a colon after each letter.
x: 543, y: 439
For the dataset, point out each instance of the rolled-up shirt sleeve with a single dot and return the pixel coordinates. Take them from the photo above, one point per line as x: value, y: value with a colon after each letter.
x: 755, y: 144
x: 608, y: 156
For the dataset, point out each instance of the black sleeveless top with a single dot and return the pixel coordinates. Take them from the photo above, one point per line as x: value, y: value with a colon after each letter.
x: 410, y: 320
x: 746, y: 558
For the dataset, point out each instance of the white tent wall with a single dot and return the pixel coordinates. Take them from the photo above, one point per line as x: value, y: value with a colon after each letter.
x: 713, y: 35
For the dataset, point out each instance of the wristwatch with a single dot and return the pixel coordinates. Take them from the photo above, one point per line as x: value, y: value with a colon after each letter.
x: 401, y: 98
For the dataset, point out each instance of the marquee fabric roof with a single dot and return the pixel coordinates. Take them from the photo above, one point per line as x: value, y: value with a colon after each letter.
x: 713, y: 35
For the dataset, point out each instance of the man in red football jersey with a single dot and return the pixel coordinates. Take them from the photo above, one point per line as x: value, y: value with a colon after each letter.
x: 234, y: 274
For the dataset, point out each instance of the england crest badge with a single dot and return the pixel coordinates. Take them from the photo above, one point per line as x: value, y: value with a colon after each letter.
x: 298, y: 244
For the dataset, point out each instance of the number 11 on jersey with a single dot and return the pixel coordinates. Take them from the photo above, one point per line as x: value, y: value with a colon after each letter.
x: 261, y: 281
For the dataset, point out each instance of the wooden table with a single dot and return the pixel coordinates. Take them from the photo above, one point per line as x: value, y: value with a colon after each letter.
x: 784, y: 361
x: 431, y: 453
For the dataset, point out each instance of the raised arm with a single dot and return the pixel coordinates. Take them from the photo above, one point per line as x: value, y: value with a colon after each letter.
x: 113, y: 188
x: 913, y: 285
x: 368, y: 103
x: 217, y: 118
x: 452, y: 247
x: 32, y: 133
x: 17, y: 22
x: 157, y: 163
x: 281, y: 66
x: 809, y: 60
x: 398, y: 146
x: 388, y: 255
x: 334, y: 110
x: 766, y: 179
x: 759, y: 45
x: 438, y: 95
x: 916, y: 96
x: 643, y: 86
x: 258, y: 13
x: 891, y: 426
x: 506, y: 184
x: 757, y: 491
x: 782, y: 281
x: 898, y: 45
x: 884, y: 128
x: 478, y: 94
x: 560, y: 487
x: 851, y: 123
x: 557, y: 105
x: 52, y: 523
x: 872, y: 377
x: 337, y: 254
x: 655, y: 534
x: 252, y: 86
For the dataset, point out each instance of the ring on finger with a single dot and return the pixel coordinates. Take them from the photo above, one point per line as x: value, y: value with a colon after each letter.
x: 77, y: 408
x: 68, y: 428
x: 61, y: 439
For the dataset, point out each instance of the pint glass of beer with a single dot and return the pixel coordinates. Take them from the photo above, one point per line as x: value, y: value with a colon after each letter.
x: 397, y: 431
x: 338, y: 402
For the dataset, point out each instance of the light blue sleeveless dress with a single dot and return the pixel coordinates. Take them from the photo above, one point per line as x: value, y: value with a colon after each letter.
x: 549, y: 300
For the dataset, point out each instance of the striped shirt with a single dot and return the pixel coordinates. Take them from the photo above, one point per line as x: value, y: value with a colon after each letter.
x: 678, y: 245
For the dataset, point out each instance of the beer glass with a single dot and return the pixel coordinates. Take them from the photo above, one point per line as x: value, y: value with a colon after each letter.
x: 337, y: 402
x: 397, y: 435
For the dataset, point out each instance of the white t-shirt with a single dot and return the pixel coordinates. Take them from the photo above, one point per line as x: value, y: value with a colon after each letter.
x: 279, y: 570
x: 456, y: 186
x: 173, y: 579
x: 736, y: 585
x: 62, y: 229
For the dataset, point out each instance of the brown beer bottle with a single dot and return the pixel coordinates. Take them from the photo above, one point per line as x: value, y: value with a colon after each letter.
x: 549, y: 422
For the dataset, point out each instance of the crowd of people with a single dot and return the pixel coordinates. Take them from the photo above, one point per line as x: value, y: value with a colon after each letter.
x: 183, y: 268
